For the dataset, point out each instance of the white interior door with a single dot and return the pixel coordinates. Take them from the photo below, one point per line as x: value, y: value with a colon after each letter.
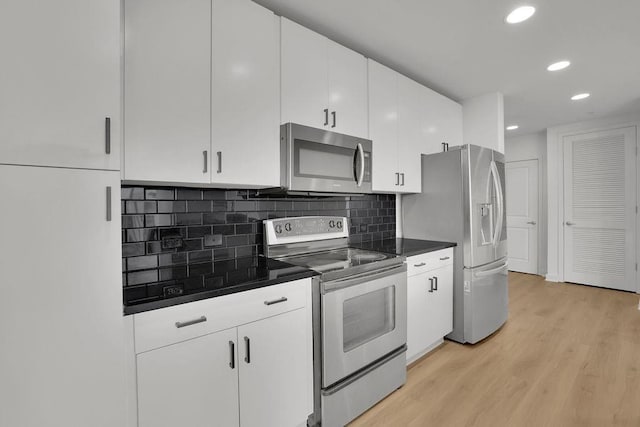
x: 599, y: 208
x: 522, y: 215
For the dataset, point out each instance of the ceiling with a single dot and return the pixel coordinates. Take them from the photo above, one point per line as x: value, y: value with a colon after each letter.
x: 463, y: 48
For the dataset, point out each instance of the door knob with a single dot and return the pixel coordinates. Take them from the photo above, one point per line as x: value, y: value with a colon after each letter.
x: 531, y: 222
x: 570, y: 223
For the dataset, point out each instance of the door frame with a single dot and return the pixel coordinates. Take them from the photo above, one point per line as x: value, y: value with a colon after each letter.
x: 540, y: 231
x: 555, y: 149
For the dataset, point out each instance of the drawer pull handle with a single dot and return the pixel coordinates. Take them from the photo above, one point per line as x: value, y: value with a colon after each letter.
x: 430, y: 284
x: 191, y: 322
x: 275, y: 301
x: 422, y: 264
x: 435, y: 281
x: 444, y: 259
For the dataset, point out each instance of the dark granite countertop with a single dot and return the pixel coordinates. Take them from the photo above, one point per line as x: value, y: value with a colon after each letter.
x: 404, y: 247
x: 235, y: 275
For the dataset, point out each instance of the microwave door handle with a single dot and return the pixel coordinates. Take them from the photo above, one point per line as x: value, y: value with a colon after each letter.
x: 360, y: 176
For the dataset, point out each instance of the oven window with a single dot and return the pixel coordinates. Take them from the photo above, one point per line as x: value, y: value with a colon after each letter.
x: 315, y: 160
x: 367, y: 317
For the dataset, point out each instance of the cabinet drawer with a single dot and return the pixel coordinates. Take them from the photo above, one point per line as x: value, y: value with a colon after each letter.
x: 420, y: 263
x: 170, y: 325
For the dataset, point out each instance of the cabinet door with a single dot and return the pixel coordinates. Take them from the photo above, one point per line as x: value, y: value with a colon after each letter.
x: 417, y: 315
x: 383, y: 126
x: 59, y: 80
x: 193, y: 383
x: 275, y: 373
x: 167, y: 90
x: 304, y: 76
x: 245, y: 122
x: 347, y: 91
x: 411, y: 134
x: 442, y: 317
x: 443, y: 122
x: 61, y: 324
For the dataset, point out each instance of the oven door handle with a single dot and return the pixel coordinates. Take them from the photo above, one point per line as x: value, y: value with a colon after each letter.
x: 334, y: 285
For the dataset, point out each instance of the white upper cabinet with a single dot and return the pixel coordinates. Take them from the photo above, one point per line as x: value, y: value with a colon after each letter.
x: 443, y: 122
x: 324, y: 84
x: 167, y: 90
x: 383, y: 126
x: 406, y: 120
x: 201, y: 92
x: 60, y: 81
x: 395, y: 111
x: 245, y: 96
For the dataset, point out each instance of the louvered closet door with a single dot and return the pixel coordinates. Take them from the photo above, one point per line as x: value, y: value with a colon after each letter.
x: 599, y: 208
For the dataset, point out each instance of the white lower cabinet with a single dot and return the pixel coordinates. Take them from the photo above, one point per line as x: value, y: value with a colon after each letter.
x: 189, y: 383
x: 429, y: 301
x: 232, y: 360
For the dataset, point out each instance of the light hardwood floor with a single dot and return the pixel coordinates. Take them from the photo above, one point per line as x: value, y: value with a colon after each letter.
x: 569, y: 355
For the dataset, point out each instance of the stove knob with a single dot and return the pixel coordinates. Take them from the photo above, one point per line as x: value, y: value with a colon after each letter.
x: 332, y: 224
x: 278, y: 229
x: 339, y: 224
x: 287, y: 226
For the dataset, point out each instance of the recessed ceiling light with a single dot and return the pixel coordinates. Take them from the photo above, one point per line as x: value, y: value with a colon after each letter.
x: 580, y: 96
x: 560, y: 65
x: 520, y: 14
x: 512, y: 127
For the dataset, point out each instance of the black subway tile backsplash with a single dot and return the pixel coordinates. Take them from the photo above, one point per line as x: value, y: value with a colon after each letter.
x: 209, y: 230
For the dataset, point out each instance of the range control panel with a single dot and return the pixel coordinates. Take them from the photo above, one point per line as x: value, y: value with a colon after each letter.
x: 314, y: 227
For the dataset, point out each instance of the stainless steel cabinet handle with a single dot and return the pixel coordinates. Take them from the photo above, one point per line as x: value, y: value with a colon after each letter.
x: 402, y: 175
x: 107, y: 135
x: 219, y: 154
x: 570, y: 223
x: 275, y: 301
x: 333, y: 116
x: 397, y: 178
x: 108, y: 203
x: 205, y: 159
x: 430, y: 284
x: 326, y: 116
x: 232, y: 355
x: 191, y: 322
x: 445, y: 146
x: 435, y: 281
x: 531, y: 222
x: 444, y: 259
x: 247, y: 343
x: 422, y: 264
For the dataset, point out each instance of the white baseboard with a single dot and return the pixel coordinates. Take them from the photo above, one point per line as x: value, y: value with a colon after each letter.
x: 551, y: 278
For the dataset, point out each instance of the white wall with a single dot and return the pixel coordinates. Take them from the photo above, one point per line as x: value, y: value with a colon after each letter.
x: 555, y: 200
x: 483, y: 121
x: 529, y: 147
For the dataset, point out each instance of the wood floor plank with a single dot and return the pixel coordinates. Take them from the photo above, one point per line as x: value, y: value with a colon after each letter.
x: 569, y: 355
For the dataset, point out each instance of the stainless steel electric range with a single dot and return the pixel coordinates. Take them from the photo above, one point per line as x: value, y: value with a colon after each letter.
x: 360, y: 320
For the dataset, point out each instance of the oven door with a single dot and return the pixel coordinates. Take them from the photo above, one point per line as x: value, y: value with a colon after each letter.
x: 363, y: 319
x: 323, y: 161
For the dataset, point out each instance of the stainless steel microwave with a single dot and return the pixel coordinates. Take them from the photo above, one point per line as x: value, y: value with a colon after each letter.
x: 319, y: 161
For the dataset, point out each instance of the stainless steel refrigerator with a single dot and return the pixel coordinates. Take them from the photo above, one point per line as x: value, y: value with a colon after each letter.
x: 463, y: 201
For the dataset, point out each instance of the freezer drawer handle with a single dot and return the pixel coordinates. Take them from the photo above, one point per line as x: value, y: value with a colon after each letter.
x: 444, y: 259
x: 430, y: 284
x: 275, y: 301
x: 191, y: 322
x: 422, y: 264
x: 492, y: 271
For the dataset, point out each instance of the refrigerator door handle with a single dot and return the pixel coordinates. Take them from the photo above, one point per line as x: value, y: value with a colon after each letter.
x: 498, y: 187
x: 492, y: 271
